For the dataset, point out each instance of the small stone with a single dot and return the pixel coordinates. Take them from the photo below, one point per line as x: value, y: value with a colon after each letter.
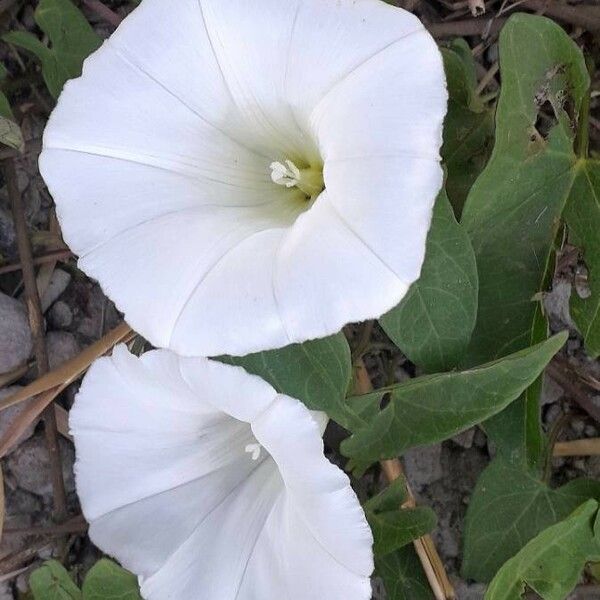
x: 60, y: 315
x: 15, y: 335
x: 553, y: 413
x: 29, y: 465
x: 590, y: 431
x: 423, y: 465
x: 578, y: 426
x: 99, y: 314
x: 480, y: 439
x: 469, y: 591
x: 58, y: 284
x: 465, y: 438
x: 551, y: 391
x: 8, y: 415
x: 5, y: 592
x: 593, y: 467
x: 61, y: 347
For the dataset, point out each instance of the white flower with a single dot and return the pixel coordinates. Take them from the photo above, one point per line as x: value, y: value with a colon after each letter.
x: 188, y: 162
x: 209, y: 485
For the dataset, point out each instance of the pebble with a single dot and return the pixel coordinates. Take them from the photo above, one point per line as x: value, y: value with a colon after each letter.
x: 60, y: 315
x: 29, y: 466
x: 423, y: 465
x: 58, y: 284
x: 551, y: 391
x: 465, y: 438
x: 61, y: 347
x: 15, y: 335
x: 469, y: 591
x: 8, y: 415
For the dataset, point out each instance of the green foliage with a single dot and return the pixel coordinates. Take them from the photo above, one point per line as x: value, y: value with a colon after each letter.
x: 108, y: 581
x: 513, y: 210
x: 433, y: 323
x: 104, y: 581
x: 508, y: 508
x: 71, y: 37
x: 433, y: 408
x: 317, y: 372
x: 10, y: 134
x: 5, y: 110
x: 392, y: 526
x: 551, y: 563
x: 403, y: 575
x: 53, y: 582
x: 469, y: 124
x: 582, y: 215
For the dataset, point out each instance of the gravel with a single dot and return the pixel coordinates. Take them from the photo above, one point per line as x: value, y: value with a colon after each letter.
x: 15, y: 335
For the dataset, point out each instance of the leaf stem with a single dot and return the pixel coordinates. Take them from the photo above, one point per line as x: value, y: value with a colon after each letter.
x: 583, y: 126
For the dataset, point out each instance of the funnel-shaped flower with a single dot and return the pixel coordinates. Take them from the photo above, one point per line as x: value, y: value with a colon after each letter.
x: 244, y: 174
x: 205, y: 482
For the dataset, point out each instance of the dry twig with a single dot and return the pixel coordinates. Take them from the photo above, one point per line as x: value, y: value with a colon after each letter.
x: 109, y: 15
x: 585, y: 447
x: 424, y: 546
x: 36, y: 323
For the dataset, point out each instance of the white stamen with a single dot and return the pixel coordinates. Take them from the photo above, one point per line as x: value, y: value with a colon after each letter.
x: 288, y: 174
x: 253, y: 449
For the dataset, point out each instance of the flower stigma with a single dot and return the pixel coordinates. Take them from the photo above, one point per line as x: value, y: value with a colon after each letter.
x: 309, y: 180
x: 254, y: 450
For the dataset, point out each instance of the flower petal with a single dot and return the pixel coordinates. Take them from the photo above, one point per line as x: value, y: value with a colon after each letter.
x: 169, y: 487
x: 328, y: 276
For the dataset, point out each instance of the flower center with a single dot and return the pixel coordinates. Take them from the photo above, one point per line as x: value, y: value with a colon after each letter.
x: 309, y: 180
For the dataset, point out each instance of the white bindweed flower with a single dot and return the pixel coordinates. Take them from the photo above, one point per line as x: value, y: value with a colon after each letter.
x: 208, y: 484
x: 243, y: 174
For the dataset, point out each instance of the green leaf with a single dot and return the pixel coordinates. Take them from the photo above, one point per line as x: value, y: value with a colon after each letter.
x: 468, y: 127
x: 513, y: 210
x: 108, y: 581
x: 392, y: 526
x: 53, y: 582
x: 403, y: 575
x: 433, y: 408
x: 5, y: 110
x: 551, y: 564
x: 433, y: 323
x: 582, y: 215
x: 71, y: 37
x: 508, y: 508
x: 317, y: 372
x: 10, y: 134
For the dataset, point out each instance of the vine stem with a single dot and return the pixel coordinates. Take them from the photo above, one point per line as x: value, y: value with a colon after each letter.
x: 424, y: 546
x: 36, y: 322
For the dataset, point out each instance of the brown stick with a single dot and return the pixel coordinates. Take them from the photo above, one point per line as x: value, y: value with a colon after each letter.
x: 466, y: 27
x: 569, y: 384
x: 580, y: 16
x: 109, y: 15
x: 55, y: 255
x: 72, y: 369
x: 424, y: 546
x: 585, y: 447
x: 74, y: 525
x: 36, y: 322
